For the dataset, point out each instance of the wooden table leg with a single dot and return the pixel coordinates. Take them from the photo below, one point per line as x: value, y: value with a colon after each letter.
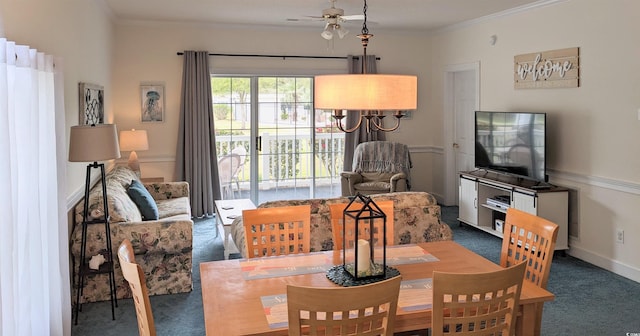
x: 526, y: 322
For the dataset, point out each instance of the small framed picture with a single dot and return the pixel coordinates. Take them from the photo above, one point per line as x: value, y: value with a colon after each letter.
x: 152, y: 102
x: 91, y: 107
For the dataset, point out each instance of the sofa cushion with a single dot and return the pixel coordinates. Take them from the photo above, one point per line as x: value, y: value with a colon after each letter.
x: 373, y: 186
x: 171, y: 207
x: 143, y: 200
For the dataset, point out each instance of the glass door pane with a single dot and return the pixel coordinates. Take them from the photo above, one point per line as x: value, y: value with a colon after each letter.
x: 299, y: 153
x: 232, y: 125
x: 285, y: 155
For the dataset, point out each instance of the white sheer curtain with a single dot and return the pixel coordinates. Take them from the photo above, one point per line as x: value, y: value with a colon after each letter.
x: 34, y: 258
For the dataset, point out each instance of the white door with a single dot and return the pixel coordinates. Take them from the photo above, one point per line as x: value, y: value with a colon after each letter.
x: 462, y: 99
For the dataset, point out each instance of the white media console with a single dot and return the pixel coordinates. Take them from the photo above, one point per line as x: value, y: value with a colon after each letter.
x: 485, y: 197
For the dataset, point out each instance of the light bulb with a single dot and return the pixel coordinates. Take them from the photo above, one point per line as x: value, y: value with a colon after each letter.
x: 326, y: 34
x: 342, y: 32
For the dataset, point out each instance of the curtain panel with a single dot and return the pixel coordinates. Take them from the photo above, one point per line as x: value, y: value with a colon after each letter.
x: 196, y: 153
x: 35, y: 296
x: 352, y: 140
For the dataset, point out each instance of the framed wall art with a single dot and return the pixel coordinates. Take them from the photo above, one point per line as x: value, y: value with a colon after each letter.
x: 152, y: 102
x: 91, y: 107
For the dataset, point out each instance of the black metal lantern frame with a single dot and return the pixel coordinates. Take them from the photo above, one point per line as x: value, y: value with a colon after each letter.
x: 364, y: 212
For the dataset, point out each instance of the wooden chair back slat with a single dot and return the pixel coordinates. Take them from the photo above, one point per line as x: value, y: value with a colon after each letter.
x: 359, y: 310
x: 134, y: 275
x: 476, y: 303
x: 277, y: 231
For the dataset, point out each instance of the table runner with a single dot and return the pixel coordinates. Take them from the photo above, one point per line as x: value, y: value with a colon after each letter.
x: 414, y: 295
x: 318, y: 262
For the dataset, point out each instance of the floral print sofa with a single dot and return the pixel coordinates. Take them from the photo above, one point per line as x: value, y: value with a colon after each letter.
x: 162, y: 247
x: 416, y: 219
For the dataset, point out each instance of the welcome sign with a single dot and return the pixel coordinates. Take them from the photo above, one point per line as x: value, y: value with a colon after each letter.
x: 548, y: 69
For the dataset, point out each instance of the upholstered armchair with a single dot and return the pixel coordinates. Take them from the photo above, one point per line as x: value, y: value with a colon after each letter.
x: 378, y: 167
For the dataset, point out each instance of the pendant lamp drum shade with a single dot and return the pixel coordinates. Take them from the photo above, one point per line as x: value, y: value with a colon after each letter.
x: 366, y: 92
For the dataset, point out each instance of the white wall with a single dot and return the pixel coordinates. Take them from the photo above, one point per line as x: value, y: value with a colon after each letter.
x: 81, y: 33
x: 594, y: 129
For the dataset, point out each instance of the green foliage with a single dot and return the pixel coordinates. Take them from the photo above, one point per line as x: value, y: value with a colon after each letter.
x: 221, y: 111
x: 330, y: 155
x: 284, y: 161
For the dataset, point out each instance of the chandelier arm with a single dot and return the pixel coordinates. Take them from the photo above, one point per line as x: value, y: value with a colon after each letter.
x: 339, y: 123
x: 379, y: 126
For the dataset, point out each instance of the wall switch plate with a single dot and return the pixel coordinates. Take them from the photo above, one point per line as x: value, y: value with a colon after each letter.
x: 620, y: 236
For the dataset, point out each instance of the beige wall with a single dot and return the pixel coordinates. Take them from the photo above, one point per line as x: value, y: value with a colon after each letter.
x: 594, y: 129
x: 146, y: 52
x: 81, y: 33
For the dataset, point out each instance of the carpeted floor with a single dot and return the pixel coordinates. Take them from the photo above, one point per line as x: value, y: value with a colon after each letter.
x: 589, y: 300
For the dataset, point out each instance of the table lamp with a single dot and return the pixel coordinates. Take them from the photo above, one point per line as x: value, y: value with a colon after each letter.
x: 133, y: 140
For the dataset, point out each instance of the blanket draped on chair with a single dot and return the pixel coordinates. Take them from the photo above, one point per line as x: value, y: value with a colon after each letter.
x: 382, y: 156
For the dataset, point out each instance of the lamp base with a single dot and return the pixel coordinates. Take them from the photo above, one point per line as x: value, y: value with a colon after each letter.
x: 133, y: 162
x: 338, y: 275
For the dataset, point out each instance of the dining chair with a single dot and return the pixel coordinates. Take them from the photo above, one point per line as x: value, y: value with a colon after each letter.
x: 359, y: 310
x: 476, y: 303
x: 531, y: 239
x: 277, y: 231
x: 337, y: 219
x: 134, y: 275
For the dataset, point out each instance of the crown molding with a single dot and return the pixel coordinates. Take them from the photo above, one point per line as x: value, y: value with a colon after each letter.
x: 505, y: 13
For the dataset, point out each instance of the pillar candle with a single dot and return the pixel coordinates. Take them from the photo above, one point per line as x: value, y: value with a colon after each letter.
x: 364, y: 255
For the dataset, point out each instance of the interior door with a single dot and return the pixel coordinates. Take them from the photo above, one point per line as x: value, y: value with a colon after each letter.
x: 461, y: 100
x: 464, y: 93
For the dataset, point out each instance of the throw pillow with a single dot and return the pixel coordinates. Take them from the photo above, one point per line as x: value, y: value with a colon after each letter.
x: 142, y: 198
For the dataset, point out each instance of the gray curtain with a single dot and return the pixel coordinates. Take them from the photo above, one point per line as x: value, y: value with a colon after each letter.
x: 352, y: 140
x: 196, y: 153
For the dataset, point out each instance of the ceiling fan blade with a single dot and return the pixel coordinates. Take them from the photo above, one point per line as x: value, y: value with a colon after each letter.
x: 352, y: 17
x: 305, y: 19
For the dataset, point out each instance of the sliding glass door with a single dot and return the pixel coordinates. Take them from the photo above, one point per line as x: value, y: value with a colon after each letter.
x: 271, y: 144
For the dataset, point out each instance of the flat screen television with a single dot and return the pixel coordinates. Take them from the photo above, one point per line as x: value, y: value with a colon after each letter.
x: 512, y: 143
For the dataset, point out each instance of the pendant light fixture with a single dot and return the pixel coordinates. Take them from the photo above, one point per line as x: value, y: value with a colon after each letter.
x: 370, y: 95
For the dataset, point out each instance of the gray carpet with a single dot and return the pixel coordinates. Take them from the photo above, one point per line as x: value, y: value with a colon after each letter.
x: 589, y: 300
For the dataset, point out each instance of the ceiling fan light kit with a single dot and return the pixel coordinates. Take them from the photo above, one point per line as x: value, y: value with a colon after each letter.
x: 334, y: 18
x: 369, y: 94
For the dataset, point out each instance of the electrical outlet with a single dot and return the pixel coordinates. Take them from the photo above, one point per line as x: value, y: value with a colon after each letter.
x: 620, y: 236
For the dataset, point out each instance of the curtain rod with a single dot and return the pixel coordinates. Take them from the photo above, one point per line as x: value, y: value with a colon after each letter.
x: 278, y: 56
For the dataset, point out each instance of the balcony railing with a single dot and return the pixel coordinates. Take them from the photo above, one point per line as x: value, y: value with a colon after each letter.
x: 287, y: 160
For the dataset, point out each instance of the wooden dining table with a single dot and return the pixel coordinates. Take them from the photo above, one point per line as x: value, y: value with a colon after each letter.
x: 233, y: 304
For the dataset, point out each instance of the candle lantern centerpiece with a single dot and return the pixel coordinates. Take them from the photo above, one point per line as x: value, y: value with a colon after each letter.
x: 360, y: 237
x: 364, y: 244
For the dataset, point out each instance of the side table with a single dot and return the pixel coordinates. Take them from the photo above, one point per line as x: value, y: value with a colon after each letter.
x: 226, y: 212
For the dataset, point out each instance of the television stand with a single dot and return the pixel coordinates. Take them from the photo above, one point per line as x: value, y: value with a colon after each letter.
x: 479, y: 190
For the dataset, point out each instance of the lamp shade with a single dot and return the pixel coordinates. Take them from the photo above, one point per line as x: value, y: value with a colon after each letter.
x: 133, y: 140
x: 93, y: 143
x: 366, y: 92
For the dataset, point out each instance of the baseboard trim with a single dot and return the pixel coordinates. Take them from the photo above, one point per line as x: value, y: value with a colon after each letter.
x: 614, y: 266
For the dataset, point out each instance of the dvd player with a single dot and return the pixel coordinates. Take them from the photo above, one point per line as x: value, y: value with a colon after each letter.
x: 500, y: 201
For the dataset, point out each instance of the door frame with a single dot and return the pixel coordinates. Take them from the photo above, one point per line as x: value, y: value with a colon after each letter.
x: 451, y: 175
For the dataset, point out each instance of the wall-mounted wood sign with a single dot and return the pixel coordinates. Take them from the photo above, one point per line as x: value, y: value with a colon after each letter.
x: 548, y: 69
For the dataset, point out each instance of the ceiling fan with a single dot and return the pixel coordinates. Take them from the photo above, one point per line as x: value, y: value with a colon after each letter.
x: 334, y: 18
